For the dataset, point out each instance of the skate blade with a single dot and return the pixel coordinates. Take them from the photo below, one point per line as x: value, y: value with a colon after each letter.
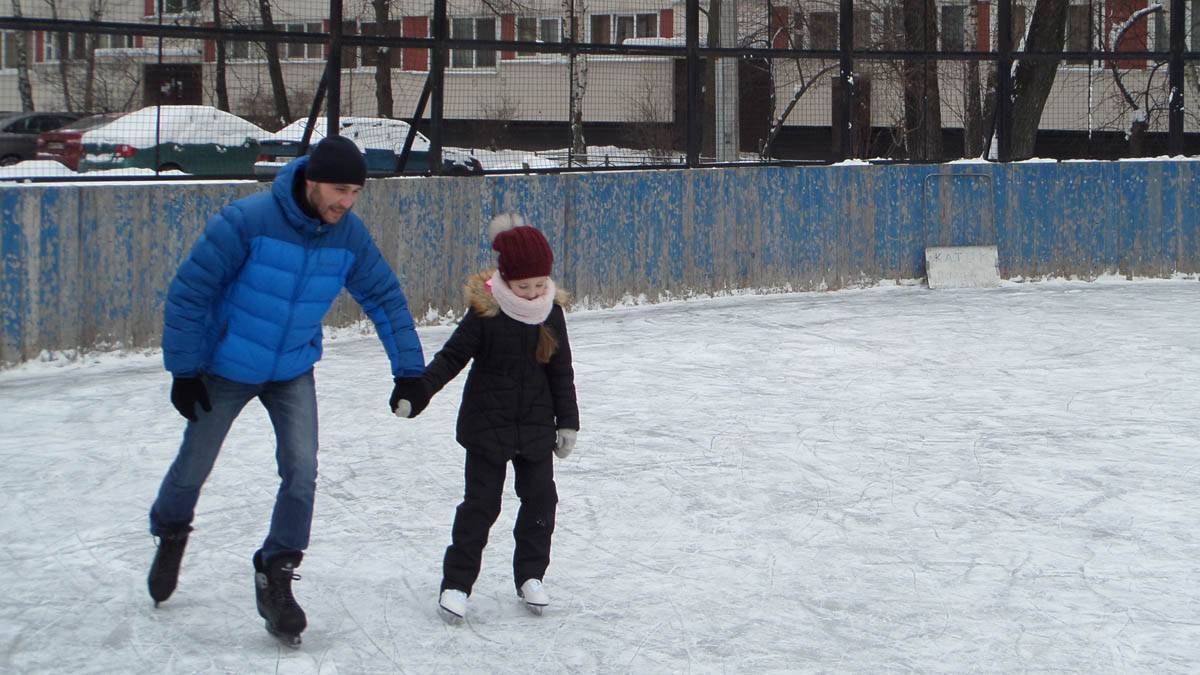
x: 535, y: 610
x: 449, y: 617
x: 286, y: 638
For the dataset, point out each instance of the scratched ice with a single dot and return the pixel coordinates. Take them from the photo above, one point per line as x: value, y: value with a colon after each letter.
x: 889, y: 479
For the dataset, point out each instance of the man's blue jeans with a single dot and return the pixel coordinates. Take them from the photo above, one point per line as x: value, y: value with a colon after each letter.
x: 292, y: 407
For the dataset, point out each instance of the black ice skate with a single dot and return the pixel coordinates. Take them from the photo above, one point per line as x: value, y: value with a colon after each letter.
x: 273, y: 589
x: 164, y: 571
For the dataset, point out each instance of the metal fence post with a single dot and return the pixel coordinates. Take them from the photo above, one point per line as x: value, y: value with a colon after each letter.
x: 437, y: 76
x: 333, y: 70
x: 1175, y: 78
x: 692, y: 33
x: 846, y: 73
x: 1003, y: 115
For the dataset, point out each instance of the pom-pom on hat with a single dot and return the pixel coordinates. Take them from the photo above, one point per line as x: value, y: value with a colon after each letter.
x: 524, y: 251
x: 337, y: 160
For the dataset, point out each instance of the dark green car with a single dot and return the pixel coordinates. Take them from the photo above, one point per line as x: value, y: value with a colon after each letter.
x: 194, y: 139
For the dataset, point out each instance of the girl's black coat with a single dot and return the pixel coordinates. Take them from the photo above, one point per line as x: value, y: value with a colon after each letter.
x: 511, y: 403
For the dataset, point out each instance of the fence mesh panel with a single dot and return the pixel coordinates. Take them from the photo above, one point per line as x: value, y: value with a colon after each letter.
x: 546, y: 85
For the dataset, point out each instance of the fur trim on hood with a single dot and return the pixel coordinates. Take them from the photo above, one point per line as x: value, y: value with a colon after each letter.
x: 480, y: 299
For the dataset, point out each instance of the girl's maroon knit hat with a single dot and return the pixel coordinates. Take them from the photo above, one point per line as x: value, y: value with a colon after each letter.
x: 524, y: 251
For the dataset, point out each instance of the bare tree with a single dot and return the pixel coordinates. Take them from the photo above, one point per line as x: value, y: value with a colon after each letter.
x: 777, y: 124
x: 24, y: 86
x: 922, y: 100
x: 575, y: 10
x: 496, y: 113
x: 972, y: 107
x: 95, y: 14
x: 708, y: 109
x: 1141, y: 114
x: 222, y: 86
x: 62, y: 43
x: 650, y: 111
x: 274, y: 69
x: 118, y: 83
x: 383, y: 60
x: 1034, y: 78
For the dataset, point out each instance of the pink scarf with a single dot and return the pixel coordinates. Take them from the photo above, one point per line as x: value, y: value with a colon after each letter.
x: 532, y: 312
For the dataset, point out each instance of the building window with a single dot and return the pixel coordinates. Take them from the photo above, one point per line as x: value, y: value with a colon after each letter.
x: 239, y: 50
x: 180, y: 6
x: 473, y: 29
x: 301, y: 50
x: 533, y: 29
x: 822, y: 30
x: 372, y: 54
x: 116, y: 41
x: 647, y: 25
x: 601, y: 29
x: 50, y: 47
x: 952, y: 28
x: 862, y: 29
x: 246, y: 50
x: 1077, y: 31
x: 8, y: 49
x: 550, y: 29
x: 615, y: 29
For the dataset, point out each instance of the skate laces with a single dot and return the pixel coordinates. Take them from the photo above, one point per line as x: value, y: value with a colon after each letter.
x: 281, y: 584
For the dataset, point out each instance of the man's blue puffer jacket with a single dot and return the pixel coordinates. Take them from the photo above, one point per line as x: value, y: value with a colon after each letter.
x: 247, y: 303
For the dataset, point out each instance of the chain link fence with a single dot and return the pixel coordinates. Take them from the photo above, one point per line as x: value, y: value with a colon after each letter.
x: 97, y: 89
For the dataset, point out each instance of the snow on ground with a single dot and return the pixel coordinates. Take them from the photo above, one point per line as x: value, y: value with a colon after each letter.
x: 46, y: 168
x: 891, y: 479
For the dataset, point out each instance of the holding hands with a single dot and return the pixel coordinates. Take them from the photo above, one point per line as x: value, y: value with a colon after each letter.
x: 409, y: 397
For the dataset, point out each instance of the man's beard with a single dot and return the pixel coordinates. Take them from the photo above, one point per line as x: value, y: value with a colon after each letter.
x: 328, y: 214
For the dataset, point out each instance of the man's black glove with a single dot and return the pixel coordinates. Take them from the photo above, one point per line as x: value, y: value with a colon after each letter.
x: 411, y: 391
x: 186, y: 392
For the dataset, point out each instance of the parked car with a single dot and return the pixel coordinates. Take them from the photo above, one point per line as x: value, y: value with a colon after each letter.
x: 380, y: 139
x: 194, y: 139
x: 19, y: 133
x: 65, y: 145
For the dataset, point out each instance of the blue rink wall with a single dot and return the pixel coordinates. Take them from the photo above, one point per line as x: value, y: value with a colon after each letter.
x: 88, y: 266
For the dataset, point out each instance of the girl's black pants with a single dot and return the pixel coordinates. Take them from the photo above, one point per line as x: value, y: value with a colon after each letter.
x: 480, y: 507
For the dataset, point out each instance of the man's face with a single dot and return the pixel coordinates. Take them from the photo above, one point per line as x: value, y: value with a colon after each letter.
x: 331, y: 201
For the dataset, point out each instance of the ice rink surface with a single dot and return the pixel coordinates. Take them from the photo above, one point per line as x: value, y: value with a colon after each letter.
x: 883, y: 480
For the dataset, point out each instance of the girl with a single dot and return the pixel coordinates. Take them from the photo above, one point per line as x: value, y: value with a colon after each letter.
x: 518, y: 406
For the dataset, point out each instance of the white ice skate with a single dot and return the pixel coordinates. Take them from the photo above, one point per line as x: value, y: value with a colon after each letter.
x: 534, y: 595
x: 452, y: 606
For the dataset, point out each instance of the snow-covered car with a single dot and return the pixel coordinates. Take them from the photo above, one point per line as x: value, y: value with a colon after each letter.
x: 380, y: 139
x: 194, y: 139
x: 65, y: 145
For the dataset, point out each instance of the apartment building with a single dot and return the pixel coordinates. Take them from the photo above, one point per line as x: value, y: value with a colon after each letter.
x: 116, y: 72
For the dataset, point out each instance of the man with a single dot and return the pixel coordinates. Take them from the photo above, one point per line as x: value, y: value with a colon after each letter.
x: 243, y: 321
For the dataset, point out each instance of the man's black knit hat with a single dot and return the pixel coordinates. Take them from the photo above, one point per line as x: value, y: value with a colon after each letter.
x: 337, y: 160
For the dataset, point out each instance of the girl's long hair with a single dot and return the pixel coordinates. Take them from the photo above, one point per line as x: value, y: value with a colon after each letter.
x: 547, y: 344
